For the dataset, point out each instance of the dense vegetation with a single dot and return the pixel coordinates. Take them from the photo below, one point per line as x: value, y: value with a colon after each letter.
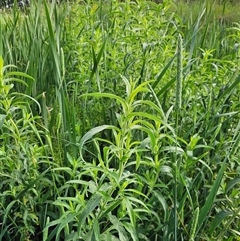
x: 119, y: 120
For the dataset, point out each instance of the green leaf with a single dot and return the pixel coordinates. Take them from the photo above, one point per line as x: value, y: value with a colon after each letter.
x: 96, y: 230
x: 64, y: 223
x: 232, y: 183
x: 163, y: 71
x: 163, y: 202
x: 2, y: 118
x: 204, y: 211
x: 96, y: 60
x: 91, y: 133
x: 91, y: 205
x: 119, y: 227
x: 30, y: 185
x: 54, y: 231
x: 7, y: 210
x: 130, y: 211
x: 229, y: 89
x: 16, y: 73
x: 219, y: 218
x: 110, y: 208
x: 1, y: 65
x: 105, y: 95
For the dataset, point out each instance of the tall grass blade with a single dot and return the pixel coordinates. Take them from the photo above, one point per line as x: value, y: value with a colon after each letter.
x: 204, y: 211
x: 110, y: 208
x: 172, y: 81
x: 194, y: 35
x: 68, y: 115
x: 96, y: 60
x: 45, y: 231
x: 160, y: 76
x: 229, y: 89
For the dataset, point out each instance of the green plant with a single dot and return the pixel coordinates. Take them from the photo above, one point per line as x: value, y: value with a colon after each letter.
x: 118, y: 188
x: 150, y: 155
x: 21, y: 152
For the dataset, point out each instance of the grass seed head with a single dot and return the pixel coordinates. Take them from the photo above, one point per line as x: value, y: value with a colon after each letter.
x: 179, y: 74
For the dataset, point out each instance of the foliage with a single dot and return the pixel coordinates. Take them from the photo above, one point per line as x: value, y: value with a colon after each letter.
x: 22, y: 151
x: 129, y: 128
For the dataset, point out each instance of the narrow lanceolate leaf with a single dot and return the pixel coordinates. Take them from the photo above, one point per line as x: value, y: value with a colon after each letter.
x: 229, y: 89
x: 64, y: 224
x: 30, y: 185
x: 91, y: 133
x: 119, y: 227
x: 106, y: 95
x: 232, y: 183
x: 2, y: 118
x: 96, y: 229
x: 6, y: 213
x: 163, y: 202
x: 219, y: 218
x: 1, y: 69
x: 52, y: 40
x: 91, y: 205
x: 110, y: 208
x: 159, y: 77
x: 96, y: 59
x: 45, y: 231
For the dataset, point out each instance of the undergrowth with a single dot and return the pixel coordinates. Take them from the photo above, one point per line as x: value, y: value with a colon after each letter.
x: 120, y: 123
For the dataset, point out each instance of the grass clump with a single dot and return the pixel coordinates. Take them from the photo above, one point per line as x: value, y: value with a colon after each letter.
x: 128, y: 128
